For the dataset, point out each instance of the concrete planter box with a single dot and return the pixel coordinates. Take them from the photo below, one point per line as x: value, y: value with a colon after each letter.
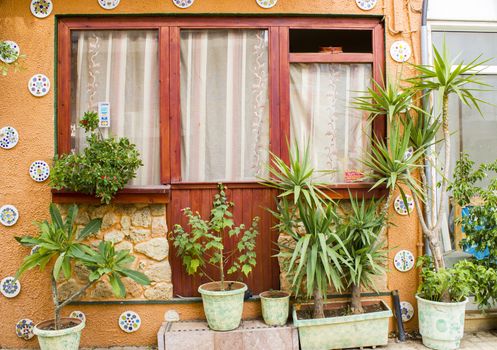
x: 353, y: 331
x: 441, y: 324
x: 223, y: 309
x: 63, y: 339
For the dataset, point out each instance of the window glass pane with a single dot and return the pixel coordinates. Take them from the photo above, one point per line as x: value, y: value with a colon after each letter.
x: 322, y: 115
x: 468, y: 45
x: 119, y: 67
x: 224, y: 105
x: 473, y: 133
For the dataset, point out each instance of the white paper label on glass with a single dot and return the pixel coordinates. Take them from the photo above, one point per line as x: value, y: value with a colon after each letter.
x: 104, y: 115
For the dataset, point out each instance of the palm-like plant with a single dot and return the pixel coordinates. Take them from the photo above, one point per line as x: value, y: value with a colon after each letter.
x: 362, y: 227
x: 309, y: 217
x: 443, y: 78
x: 60, y: 243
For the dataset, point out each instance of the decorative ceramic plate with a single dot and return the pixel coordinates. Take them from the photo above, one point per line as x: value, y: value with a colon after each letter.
x: 34, y: 249
x: 79, y: 315
x: 8, y: 215
x: 366, y: 4
x: 171, y: 316
x: 409, y: 153
x: 24, y: 328
x: 400, y: 207
x: 39, y: 85
x: 406, y: 310
x: 183, y: 4
x: 109, y: 4
x: 9, y: 137
x: 400, y: 51
x: 266, y: 4
x: 403, y: 260
x: 10, y: 287
x: 129, y: 321
x: 39, y: 170
x: 15, y: 51
x: 41, y: 8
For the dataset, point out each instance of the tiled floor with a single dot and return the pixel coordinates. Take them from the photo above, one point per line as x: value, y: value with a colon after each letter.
x: 475, y: 341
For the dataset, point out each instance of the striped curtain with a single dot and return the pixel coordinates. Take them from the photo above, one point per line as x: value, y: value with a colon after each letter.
x: 224, y: 105
x: 122, y: 68
x: 322, y: 116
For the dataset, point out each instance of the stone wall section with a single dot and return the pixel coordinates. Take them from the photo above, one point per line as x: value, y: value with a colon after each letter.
x: 139, y: 228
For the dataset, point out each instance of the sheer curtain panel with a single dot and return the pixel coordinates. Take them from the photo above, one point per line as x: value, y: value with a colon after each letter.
x: 121, y: 68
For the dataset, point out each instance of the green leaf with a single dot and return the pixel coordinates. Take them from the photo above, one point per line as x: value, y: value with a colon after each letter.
x: 92, y: 227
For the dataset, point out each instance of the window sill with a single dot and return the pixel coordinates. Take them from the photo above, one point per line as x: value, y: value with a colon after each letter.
x: 143, y: 194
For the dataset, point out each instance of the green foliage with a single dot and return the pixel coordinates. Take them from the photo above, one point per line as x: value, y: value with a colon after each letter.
x: 484, y: 288
x: 362, y: 227
x: 104, y: 167
x: 60, y: 243
x: 457, y: 282
x: 6, y: 52
x: 203, y: 243
x: 105, y: 261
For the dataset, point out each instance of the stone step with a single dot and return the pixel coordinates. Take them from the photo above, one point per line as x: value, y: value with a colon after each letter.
x: 251, y: 335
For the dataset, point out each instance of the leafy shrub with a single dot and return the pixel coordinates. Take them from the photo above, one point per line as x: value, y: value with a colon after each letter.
x: 104, y: 167
x: 202, y: 244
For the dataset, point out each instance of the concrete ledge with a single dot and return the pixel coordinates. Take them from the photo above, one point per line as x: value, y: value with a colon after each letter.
x: 251, y: 335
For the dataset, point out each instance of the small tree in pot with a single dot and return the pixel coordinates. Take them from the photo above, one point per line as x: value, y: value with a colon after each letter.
x: 59, y: 245
x: 203, y: 245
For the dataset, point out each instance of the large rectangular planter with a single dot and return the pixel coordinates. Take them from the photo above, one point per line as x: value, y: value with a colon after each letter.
x: 353, y: 331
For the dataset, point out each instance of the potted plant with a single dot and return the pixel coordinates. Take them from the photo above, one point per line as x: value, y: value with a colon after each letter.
x: 275, y: 305
x: 442, y: 323
x: 317, y: 257
x: 104, y: 167
x: 441, y: 80
x: 59, y: 245
x: 201, y: 246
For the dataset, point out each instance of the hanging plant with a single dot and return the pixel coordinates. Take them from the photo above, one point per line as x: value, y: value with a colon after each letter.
x: 104, y: 167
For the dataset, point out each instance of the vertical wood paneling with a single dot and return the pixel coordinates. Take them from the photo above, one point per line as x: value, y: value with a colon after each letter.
x: 249, y: 202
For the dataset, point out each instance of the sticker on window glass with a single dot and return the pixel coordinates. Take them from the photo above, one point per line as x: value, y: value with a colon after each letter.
x: 104, y: 115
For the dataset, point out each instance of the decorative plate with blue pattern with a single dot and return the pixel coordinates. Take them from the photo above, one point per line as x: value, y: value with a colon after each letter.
x: 129, y: 321
x: 266, y: 4
x: 15, y: 52
x: 406, y: 310
x: 183, y: 4
x: 404, y: 261
x: 109, y: 4
x: 366, y: 4
x: 39, y: 85
x: 39, y: 170
x: 10, y: 287
x: 400, y: 51
x: 41, y: 8
x: 8, y: 215
x: 400, y: 206
x: 79, y: 315
x: 24, y: 328
x: 9, y: 137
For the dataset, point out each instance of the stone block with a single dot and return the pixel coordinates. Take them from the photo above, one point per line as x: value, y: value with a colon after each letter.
x: 160, y: 291
x: 159, y: 226
x: 142, y: 217
x: 251, y: 335
x: 159, y: 272
x: 114, y: 236
x: 156, y: 248
x: 139, y: 235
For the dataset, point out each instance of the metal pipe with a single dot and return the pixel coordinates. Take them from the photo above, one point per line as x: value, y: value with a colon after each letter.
x: 398, y: 316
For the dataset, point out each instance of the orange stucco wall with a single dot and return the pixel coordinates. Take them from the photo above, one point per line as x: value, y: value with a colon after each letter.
x: 34, y: 119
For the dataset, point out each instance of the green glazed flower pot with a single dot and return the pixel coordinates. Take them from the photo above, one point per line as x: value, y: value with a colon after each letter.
x: 441, y: 324
x: 275, y: 305
x: 343, y: 332
x: 62, y: 339
x: 223, y: 309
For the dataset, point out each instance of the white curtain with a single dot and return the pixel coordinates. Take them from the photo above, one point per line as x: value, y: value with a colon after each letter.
x: 323, y: 117
x: 122, y: 68
x: 224, y: 105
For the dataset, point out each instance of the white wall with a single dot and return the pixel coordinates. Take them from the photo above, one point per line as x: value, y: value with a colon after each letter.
x: 462, y: 10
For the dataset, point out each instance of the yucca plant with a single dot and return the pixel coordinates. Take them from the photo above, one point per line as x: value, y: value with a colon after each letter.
x: 309, y: 217
x: 442, y: 79
x: 362, y: 226
x: 59, y: 243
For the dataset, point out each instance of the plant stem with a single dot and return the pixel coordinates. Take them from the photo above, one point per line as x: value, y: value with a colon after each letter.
x: 55, y: 299
x: 318, y: 303
x: 221, y: 268
x: 77, y: 294
x: 356, y: 304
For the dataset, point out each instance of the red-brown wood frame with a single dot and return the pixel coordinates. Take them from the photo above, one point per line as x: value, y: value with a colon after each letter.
x: 250, y: 197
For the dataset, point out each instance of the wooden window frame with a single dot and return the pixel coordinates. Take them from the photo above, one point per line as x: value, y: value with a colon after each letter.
x: 169, y: 97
